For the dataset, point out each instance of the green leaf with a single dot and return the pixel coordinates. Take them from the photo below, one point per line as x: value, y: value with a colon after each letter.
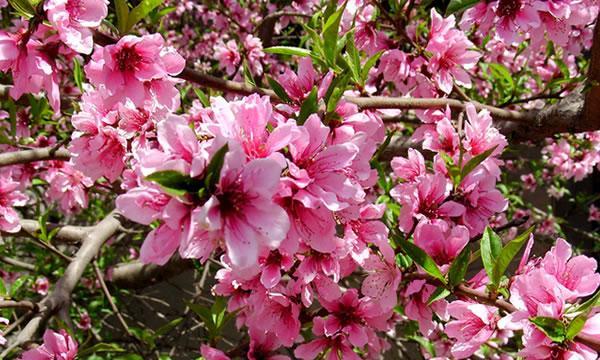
x: 491, y: 247
x: 141, y: 11
x: 475, y: 161
x: 459, y: 5
x: 23, y: 7
x: 168, y: 327
x: 100, y: 347
x: 278, y: 89
x: 213, y: 170
x: 204, y: 99
x: 458, y: 269
x: 248, y: 77
x: 78, y: 74
x: 575, y: 326
x: 553, y: 328
x: 368, y: 65
x: 3, y: 292
x: 309, y: 106
x: 453, y: 169
x: 175, y: 183
x: 122, y: 9
x: 591, y: 303
x: 421, y: 258
x: 439, y: 294
x: 330, y: 34
x: 579, y: 321
x: 509, y: 251
x: 129, y: 357
x: 287, y: 50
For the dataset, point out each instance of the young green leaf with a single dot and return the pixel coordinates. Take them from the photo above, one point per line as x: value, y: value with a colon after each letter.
x: 309, y: 106
x: 213, y: 170
x: 175, y: 183
x: 122, y: 9
x: 509, y: 251
x: 287, y: 50
x: 458, y: 269
x: 368, y: 65
x: 23, y: 7
x: 459, y: 5
x: 422, y: 259
x: 553, y: 328
x: 330, y: 35
x: 278, y: 89
x: 168, y: 327
x: 78, y: 74
x: 141, y: 11
x: 579, y: 321
x: 475, y: 161
x: 204, y: 99
x: 99, y: 348
x: 491, y: 247
x: 439, y: 294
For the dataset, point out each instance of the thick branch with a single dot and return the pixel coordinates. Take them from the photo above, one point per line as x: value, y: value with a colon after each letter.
x: 137, y: 275
x: 33, y: 155
x: 10, y: 304
x: 66, y: 234
x: 61, y: 295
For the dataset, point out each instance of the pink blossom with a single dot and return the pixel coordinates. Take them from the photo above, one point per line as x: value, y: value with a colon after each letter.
x: 475, y: 324
x: 100, y: 154
x: 576, y: 274
x: 10, y: 196
x: 381, y: 283
x: 244, y: 210
x: 440, y: 241
x: 338, y: 345
x: 451, y: 54
x: 277, y: 313
x: 426, y: 201
x: 298, y: 86
x: 410, y: 168
x: 85, y: 321
x: 41, y: 286
x: 228, y: 56
x: 126, y: 67
x: 514, y: 16
x: 394, y: 66
x: 210, y: 353
x: 68, y: 187
x: 529, y: 182
x: 254, y: 53
x: 2, y: 338
x: 73, y: 20
x: 57, y: 346
x: 417, y: 295
x: 594, y: 214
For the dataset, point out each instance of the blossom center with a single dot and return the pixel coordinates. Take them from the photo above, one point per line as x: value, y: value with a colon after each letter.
x: 508, y: 8
x: 128, y: 59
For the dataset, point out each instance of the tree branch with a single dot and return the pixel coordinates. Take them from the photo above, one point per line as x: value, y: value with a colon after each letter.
x: 33, y: 155
x: 137, y: 275
x: 61, y: 295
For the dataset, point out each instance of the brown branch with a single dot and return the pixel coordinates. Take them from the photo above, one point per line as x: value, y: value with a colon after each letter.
x: 33, y: 155
x: 11, y: 304
x: 109, y: 298
x: 66, y: 234
x: 17, y: 263
x: 137, y: 275
x: 61, y: 295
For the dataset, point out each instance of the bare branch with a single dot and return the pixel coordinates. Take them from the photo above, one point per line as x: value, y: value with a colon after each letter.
x: 61, y: 295
x: 11, y: 304
x: 112, y: 304
x: 33, y: 155
x: 137, y: 275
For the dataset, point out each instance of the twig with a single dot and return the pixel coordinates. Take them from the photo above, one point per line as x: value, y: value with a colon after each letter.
x: 112, y: 304
x: 24, y: 304
x: 17, y: 263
